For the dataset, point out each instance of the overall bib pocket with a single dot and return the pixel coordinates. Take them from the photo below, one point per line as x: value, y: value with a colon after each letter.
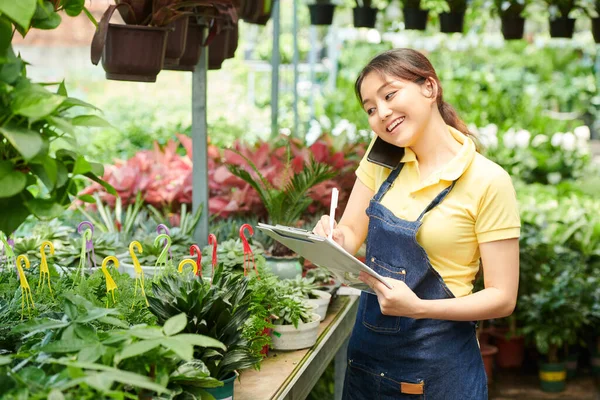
x: 372, y: 318
x: 379, y: 385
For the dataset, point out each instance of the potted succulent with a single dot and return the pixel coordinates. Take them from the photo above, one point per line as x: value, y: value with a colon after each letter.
x: 285, y: 204
x: 453, y: 20
x: 321, y: 12
x: 364, y: 14
x: 306, y: 289
x: 415, y: 17
x: 511, y: 16
x: 296, y: 326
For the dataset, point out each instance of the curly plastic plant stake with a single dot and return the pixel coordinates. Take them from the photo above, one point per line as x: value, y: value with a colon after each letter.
x: 212, y: 239
x: 139, y: 272
x: 162, y: 228
x: 25, y: 289
x: 195, y: 251
x: 248, y: 255
x: 111, y: 286
x: 8, y: 250
x: 185, y: 262
x: 162, y: 260
x: 89, y: 244
x: 44, y: 271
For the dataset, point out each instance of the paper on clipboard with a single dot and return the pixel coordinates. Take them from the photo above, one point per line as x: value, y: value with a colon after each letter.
x: 323, y: 252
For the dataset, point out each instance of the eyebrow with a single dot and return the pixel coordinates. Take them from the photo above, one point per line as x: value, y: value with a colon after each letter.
x: 379, y: 90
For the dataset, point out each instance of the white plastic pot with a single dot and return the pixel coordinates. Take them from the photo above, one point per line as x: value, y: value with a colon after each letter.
x: 287, y: 337
x: 322, y: 302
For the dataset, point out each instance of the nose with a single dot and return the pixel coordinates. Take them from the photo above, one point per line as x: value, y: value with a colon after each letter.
x: 383, y: 111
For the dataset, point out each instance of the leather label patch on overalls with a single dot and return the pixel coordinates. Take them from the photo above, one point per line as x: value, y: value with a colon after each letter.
x: 411, y: 388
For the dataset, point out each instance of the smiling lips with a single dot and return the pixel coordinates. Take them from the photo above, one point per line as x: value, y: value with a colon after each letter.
x: 394, y: 124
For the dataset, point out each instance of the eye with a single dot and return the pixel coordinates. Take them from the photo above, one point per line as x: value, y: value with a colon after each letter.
x: 370, y: 111
x: 389, y: 95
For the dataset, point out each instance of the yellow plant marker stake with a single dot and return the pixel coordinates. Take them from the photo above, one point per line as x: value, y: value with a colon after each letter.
x: 162, y: 261
x: 25, y: 289
x: 111, y: 286
x: 44, y: 271
x: 139, y: 272
x: 188, y: 262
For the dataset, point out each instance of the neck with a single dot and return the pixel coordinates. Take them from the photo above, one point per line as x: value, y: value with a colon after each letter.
x: 436, y: 146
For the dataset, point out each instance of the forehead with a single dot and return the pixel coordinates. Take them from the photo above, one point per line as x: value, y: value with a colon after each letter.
x: 374, y: 80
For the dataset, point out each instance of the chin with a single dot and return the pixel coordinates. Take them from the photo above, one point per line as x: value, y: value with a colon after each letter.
x: 400, y: 139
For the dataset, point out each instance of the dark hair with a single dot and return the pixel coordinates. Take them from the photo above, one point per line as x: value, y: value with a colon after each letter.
x: 412, y: 66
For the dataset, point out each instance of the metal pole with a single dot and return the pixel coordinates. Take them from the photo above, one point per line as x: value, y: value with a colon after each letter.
x: 312, y: 60
x: 295, y: 61
x: 340, y: 364
x: 275, y: 60
x: 199, y: 146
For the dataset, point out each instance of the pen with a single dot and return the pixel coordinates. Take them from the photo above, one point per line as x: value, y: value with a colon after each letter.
x: 334, y: 200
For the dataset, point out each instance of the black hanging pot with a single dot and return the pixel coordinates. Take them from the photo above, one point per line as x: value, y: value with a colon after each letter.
x: 364, y: 17
x: 513, y: 27
x: 596, y: 29
x: 452, y: 21
x: 321, y: 14
x: 415, y: 18
x: 562, y: 27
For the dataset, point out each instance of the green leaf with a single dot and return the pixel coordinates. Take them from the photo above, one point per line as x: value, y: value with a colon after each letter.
x: 11, y: 182
x: 150, y: 332
x: 62, y: 89
x: 5, y: 34
x: 91, y: 353
x: 113, y: 321
x: 46, y: 170
x: 45, y: 208
x: 135, y: 380
x: 19, y: 11
x: 63, y: 124
x: 109, y: 188
x: 45, y: 17
x: 138, y: 348
x: 201, y: 340
x: 95, y: 313
x: 13, y: 212
x: 82, y: 166
x: 73, y: 102
x: 184, y: 350
x: 5, y: 360
x: 73, y: 7
x: 88, y: 198
x: 34, y: 101
x: 55, y: 394
x: 175, y: 324
x: 66, y: 346
x: 91, y: 121
x: 27, y: 142
x: 62, y: 174
x: 10, y: 69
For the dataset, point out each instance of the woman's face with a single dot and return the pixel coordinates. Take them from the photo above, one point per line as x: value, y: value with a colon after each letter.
x: 398, y: 110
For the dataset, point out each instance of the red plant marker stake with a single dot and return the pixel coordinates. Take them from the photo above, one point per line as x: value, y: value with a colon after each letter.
x: 247, y: 249
x: 195, y: 250
x: 212, y: 239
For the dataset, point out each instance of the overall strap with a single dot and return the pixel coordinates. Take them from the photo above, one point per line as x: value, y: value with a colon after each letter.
x: 438, y: 199
x: 385, y: 186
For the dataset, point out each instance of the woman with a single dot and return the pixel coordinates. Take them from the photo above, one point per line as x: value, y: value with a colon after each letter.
x: 429, y: 223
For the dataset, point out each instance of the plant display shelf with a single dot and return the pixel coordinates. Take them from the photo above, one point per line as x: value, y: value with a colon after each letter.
x: 292, y: 374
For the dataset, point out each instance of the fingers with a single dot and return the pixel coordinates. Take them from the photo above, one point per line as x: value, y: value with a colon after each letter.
x: 323, y: 226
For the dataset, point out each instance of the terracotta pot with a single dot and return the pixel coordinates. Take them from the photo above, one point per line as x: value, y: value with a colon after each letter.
x: 510, y: 351
x: 487, y: 353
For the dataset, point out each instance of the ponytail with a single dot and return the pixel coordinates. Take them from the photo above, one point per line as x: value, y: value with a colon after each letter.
x: 451, y: 118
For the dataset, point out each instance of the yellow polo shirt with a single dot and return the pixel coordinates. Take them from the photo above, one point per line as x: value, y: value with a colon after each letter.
x: 482, y: 207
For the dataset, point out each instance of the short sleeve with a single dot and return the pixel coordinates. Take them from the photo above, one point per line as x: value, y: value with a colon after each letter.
x: 366, y: 170
x: 498, y: 217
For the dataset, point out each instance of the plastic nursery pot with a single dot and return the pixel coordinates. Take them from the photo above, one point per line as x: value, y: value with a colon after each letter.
x: 513, y: 27
x: 451, y: 22
x: 321, y: 14
x: 224, y: 392
x: 415, y: 18
x: 596, y: 29
x: 510, y: 351
x: 487, y: 353
x: 553, y: 377
x: 176, y: 40
x: 562, y: 27
x: 322, y: 303
x: 288, y: 337
x: 284, y: 267
x: 364, y: 17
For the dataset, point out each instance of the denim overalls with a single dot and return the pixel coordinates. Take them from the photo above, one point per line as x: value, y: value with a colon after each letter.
x: 400, y: 357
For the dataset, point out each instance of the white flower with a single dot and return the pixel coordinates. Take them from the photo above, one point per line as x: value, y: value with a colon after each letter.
x: 554, y: 177
x: 473, y: 128
x: 314, y: 132
x: 324, y: 122
x: 341, y: 126
x: 582, y: 132
x: 539, y: 140
x: 522, y: 138
x: 491, y: 142
x: 509, y: 139
x: 569, y: 142
x: 285, y: 131
x: 557, y: 139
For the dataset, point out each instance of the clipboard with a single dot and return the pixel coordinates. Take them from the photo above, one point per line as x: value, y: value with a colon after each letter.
x: 323, y: 252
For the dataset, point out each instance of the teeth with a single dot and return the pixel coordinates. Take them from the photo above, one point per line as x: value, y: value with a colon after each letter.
x: 395, y: 124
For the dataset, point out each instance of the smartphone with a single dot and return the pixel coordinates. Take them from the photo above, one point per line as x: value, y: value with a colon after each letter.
x: 385, y: 154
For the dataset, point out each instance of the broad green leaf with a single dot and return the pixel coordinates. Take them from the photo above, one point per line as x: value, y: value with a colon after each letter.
x: 109, y: 188
x: 35, y: 101
x: 11, y: 181
x: 138, y: 348
x: 5, y: 360
x: 45, y: 17
x: 45, y: 208
x: 175, y: 324
x: 102, y: 381
x: 96, y: 313
x: 91, y: 121
x: 113, y: 321
x: 150, y: 332
x: 62, y: 89
x: 5, y: 34
x: 51, y: 170
x: 63, y: 124
x: 62, y: 174
x: 13, y: 212
x: 73, y: 7
x: 71, y: 310
x: 178, y: 346
x: 91, y: 353
x: 66, y: 346
x: 11, y: 69
x: 55, y: 394
x: 87, y: 198
x: 19, y: 11
x: 27, y: 142
x: 73, y: 102
x: 82, y: 166
x: 135, y: 380
x: 201, y: 340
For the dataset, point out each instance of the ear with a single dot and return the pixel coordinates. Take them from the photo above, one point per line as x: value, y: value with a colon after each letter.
x: 429, y: 88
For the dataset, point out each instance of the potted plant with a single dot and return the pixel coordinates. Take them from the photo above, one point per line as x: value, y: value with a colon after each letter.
x: 295, y: 326
x: 285, y: 204
x: 321, y: 12
x: 306, y: 289
x: 364, y: 14
x: 561, y: 25
x: 510, y: 12
x: 453, y: 20
x: 415, y: 17
x: 510, y: 343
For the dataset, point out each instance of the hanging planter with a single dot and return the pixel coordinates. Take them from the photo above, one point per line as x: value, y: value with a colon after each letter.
x: 596, y: 29
x: 223, y: 47
x: 453, y: 21
x: 321, y: 13
x: 176, y: 40
x: 193, y: 49
x: 562, y: 27
x: 415, y: 18
x: 128, y: 52
x: 364, y: 17
x: 513, y: 27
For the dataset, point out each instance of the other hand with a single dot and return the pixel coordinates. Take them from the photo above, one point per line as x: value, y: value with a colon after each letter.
x: 400, y: 301
x: 323, y: 228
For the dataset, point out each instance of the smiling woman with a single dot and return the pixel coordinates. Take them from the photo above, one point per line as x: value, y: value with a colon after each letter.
x: 431, y: 221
